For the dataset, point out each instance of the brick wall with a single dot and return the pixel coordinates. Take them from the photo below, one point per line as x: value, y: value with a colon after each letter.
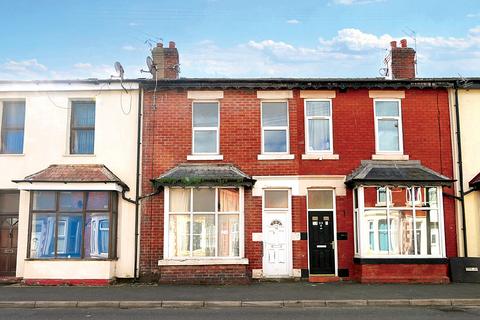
x: 167, y: 142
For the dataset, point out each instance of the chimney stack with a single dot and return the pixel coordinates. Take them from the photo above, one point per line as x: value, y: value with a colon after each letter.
x: 402, y: 61
x: 166, y: 61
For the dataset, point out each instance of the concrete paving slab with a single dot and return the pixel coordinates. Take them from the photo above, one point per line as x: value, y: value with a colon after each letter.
x: 270, y: 304
x: 345, y: 303
x: 56, y: 304
x: 183, y: 304
x: 140, y: 304
x: 223, y: 304
x: 431, y: 302
x: 389, y: 302
x: 465, y: 302
x: 17, y: 304
x: 98, y: 304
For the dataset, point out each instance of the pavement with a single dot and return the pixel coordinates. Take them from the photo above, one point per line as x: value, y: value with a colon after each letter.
x: 263, y: 294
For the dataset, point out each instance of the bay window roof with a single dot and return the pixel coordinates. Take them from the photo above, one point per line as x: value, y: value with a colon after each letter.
x: 402, y: 172
x: 475, y: 182
x: 203, y: 175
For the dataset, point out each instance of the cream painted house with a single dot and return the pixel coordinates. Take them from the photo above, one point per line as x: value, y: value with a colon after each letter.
x: 68, y: 151
x: 469, y: 116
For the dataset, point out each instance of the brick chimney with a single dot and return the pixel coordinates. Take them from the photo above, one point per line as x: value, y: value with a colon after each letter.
x: 166, y: 61
x: 401, y: 61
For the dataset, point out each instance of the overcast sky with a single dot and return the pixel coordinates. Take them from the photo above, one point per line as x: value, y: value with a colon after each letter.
x: 244, y: 38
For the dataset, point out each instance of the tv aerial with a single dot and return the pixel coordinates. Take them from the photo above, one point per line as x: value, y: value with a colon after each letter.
x: 120, y: 73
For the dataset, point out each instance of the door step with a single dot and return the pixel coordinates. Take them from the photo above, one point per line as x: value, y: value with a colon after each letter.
x: 5, y: 280
x: 322, y: 279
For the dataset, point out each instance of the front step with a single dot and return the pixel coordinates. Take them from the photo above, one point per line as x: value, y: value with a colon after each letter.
x: 323, y: 278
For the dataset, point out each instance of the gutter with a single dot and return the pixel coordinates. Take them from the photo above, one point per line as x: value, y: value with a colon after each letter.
x: 137, y: 180
x: 460, y: 198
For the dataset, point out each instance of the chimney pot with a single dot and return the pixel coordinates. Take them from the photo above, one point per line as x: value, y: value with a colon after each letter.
x: 171, y: 44
x: 160, y: 44
x: 403, y: 42
x: 393, y: 44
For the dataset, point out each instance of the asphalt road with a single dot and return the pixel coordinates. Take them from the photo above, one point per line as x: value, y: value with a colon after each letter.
x: 244, y: 313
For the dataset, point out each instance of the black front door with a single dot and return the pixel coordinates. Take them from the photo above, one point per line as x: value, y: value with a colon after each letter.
x: 321, y: 245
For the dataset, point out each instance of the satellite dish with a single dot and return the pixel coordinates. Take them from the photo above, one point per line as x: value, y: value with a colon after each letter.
x: 383, y: 72
x: 119, y: 69
x: 151, y: 66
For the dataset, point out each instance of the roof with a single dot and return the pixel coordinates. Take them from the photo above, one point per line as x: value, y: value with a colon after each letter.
x: 203, y: 175
x: 402, y: 172
x: 75, y: 173
x: 475, y: 182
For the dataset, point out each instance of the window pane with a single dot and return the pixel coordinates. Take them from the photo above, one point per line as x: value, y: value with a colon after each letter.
x: 276, y: 199
x: 318, y: 134
x: 83, y: 141
x: 318, y: 108
x: 98, y: 200
x: 9, y: 202
x: 387, y: 109
x: 69, y: 237
x: 320, y: 199
x: 228, y: 236
x: 371, y: 198
x: 275, y: 141
x: 42, y: 241
x: 179, y: 236
x: 205, y: 141
x: 430, y: 198
x: 12, y: 141
x: 179, y: 200
x: 13, y: 114
x: 204, y: 235
x: 83, y: 114
x: 374, y: 232
x: 388, y: 135
x: 228, y: 200
x: 274, y: 114
x: 71, y: 201
x: 204, y: 200
x: 97, y: 235
x: 382, y: 235
x: 44, y: 200
x: 401, y: 232
x: 205, y: 114
x: 400, y: 197
x: 428, y: 235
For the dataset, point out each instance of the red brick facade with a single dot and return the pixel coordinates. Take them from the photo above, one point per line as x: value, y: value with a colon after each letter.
x: 167, y: 140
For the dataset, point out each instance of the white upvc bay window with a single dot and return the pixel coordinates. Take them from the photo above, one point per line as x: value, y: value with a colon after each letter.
x: 205, y: 127
x: 388, y: 126
x: 318, y: 126
x: 203, y: 223
x: 390, y: 223
x: 275, y: 130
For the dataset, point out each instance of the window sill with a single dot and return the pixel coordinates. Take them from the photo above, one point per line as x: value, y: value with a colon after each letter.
x: 71, y: 259
x: 12, y: 154
x: 390, y: 157
x: 205, y: 157
x: 276, y: 157
x: 79, y: 155
x: 320, y: 156
x: 201, y: 262
x: 397, y: 260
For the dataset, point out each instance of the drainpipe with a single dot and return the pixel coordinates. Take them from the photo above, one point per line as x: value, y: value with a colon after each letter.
x: 137, y: 181
x: 461, y: 198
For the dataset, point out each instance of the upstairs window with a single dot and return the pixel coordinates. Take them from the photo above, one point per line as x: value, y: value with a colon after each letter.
x: 275, y: 127
x: 388, y: 126
x: 205, y: 128
x: 318, y: 119
x: 13, y: 124
x: 82, y: 127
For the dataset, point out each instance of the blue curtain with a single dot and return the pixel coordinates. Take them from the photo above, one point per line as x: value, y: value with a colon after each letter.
x: 13, y: 122
x: 83, y: 113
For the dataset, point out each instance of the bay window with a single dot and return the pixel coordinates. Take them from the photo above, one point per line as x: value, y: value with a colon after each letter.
x: 390, y: 222
x: 203, y: 222
x: 388, y: 126
x: 73, y: 225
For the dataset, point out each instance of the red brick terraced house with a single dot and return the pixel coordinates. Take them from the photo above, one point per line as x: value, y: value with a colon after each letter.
x: 324, y: 179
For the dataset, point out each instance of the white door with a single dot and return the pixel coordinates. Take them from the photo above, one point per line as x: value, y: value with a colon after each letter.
x: 276, y: 242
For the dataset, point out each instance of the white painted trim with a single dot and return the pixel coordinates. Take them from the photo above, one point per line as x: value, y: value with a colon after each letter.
x: 201, y: 262
x: 306, y: 126
x: 217, y: 129
x: 92, y: 186
x: 388, y: 94
x: 201, y: 94
x: 334, y: 209
x: 390, y: 157
x: 317, y: 94
x: 320, y: 156
x: 257, y: 236
x: 300, y: 184
x: 400, y: 127
x: 286, y: 128
x: 204, y: 157
x: 274, y: 156
x: 33, y: 86
x: 275, y: 94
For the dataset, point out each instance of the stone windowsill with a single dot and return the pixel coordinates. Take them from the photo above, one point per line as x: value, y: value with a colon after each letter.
x: 276, y: 157
x: 390, y: 156
x: 205, y: 157
x: 320, y: 156
x: 201, y: 262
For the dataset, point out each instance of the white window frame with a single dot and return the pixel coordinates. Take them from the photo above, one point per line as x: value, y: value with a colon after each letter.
x: 400, y: 126
x: 365, y: 237
x: 68, y: 134
x: 286, y: 128
x: 2, y: 104
x: 217, y: 129
x: 194, y: 259
x: 330, y: 123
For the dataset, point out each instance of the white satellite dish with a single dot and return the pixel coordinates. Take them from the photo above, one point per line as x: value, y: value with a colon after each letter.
x: 119, y: 69
x: 151, y: 66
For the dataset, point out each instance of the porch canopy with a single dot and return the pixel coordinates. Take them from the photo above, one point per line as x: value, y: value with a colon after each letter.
x: 401, y: 172
x: 203, y: 175
x: 475, y: 182
x: 73, y: 176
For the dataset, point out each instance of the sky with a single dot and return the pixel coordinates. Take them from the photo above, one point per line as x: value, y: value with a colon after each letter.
x: 72, y: 39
